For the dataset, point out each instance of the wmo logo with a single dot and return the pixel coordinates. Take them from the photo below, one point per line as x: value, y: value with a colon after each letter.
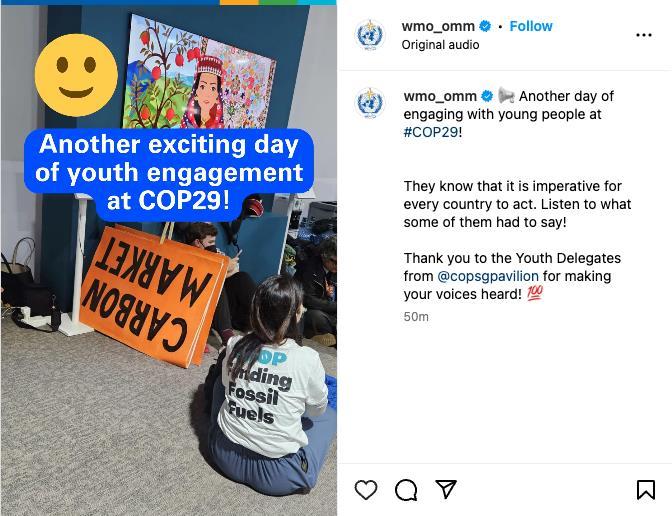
x: 370, y: 34
x: 370, y: 103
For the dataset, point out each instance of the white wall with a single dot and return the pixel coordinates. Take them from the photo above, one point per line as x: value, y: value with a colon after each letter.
x: 314, y: 102
x: 23, y: 29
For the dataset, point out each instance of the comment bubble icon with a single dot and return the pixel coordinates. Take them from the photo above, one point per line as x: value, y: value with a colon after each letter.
x: 406, y: 490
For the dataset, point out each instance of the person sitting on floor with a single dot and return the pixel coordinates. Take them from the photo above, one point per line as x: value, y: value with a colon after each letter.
x: 318, y: 278
x: 270, y: 426
x: 233, y: 307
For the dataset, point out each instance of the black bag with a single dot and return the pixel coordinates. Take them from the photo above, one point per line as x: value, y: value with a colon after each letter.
x: 15, y: 276
x: 20, y: 289
x: 39, y: 298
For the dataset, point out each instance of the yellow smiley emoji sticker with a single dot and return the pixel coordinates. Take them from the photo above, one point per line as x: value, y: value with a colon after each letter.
x: 76, y: 75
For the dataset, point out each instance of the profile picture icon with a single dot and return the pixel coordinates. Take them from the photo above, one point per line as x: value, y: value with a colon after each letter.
x: 370, y: 103
x: 370, y: 34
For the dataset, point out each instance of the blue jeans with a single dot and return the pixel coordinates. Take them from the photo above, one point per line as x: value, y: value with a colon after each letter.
x: 292, y: 473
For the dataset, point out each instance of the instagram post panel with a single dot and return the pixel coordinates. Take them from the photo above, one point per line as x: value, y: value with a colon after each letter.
x: 170, y: 342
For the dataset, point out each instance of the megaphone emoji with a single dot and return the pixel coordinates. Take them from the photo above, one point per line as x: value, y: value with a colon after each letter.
x: 506, y: 95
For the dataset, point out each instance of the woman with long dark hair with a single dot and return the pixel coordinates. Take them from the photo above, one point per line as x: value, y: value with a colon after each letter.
x: 206, y: 102
x: 270, y: 424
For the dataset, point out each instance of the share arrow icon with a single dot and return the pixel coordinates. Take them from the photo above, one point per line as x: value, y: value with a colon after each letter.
x: 446, y: 486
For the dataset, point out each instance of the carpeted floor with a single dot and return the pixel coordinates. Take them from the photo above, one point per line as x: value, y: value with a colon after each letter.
x: 90, y: 426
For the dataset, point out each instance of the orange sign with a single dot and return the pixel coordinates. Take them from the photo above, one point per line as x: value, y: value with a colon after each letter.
x: 198, y: 355
x: 156, y: 298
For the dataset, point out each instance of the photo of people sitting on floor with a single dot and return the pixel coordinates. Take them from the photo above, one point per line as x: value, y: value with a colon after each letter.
x: 185, y: 367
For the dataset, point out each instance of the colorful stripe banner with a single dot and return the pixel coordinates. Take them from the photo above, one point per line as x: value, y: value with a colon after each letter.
x: 277, y: 2
x: 170, y: 2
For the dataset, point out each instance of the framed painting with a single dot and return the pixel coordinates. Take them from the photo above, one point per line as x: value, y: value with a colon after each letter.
x: 175, y: 78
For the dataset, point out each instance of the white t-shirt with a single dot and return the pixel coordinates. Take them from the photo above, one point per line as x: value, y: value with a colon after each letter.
x: 263, y: 407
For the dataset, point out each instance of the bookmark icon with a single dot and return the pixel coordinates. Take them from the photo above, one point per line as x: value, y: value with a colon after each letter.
x: 646, y: 488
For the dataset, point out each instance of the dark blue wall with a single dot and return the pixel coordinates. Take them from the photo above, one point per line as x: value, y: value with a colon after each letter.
x: 275, y: 32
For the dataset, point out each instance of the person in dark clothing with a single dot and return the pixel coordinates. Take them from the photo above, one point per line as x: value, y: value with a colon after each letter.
x: 318, y: 278
x: 233, y: 307
x: 235, y: 301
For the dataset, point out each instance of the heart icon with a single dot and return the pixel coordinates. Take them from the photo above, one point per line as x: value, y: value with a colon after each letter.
x: 366, y: 488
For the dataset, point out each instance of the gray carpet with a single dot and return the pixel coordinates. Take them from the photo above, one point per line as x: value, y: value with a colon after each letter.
x: 90, y: 426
